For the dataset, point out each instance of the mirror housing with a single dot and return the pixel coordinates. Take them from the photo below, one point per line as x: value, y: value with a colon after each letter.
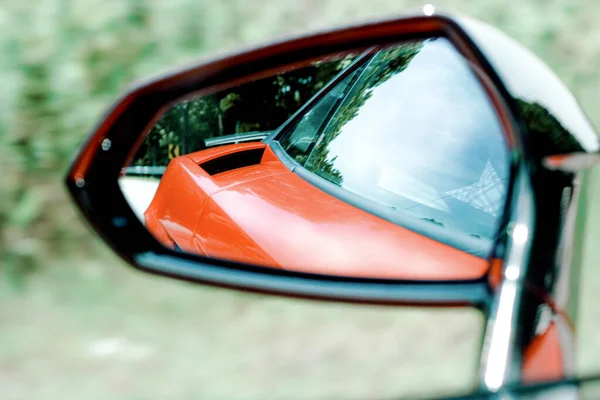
x: 92, y: 180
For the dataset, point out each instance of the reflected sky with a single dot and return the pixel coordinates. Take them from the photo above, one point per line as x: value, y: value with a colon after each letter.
x: 428, y: 142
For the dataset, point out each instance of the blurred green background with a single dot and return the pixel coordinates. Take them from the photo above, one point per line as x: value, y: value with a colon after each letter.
x: 75, y: 322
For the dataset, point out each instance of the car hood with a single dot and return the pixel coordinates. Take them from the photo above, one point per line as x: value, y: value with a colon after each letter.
x: 266, y: 214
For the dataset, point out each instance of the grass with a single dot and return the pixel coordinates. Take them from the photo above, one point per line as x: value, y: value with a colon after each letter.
x: 92, y: 331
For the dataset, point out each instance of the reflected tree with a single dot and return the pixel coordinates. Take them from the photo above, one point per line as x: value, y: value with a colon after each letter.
x: 546, y: 133
x: 261, y: 105
x: 384, y: 65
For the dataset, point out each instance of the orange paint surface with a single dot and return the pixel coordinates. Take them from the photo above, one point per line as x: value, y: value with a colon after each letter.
x: 265, y: 214
x: 543, y: 358
x: 495, y: 272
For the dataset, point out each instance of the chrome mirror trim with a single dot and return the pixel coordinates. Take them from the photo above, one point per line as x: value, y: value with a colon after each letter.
x: 501, y: 356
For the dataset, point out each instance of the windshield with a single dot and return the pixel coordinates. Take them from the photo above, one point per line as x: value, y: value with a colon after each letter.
x: 412, y: 130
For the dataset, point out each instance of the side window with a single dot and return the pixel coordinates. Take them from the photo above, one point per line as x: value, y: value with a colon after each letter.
x: 416, y: 135
x: 300, y: 140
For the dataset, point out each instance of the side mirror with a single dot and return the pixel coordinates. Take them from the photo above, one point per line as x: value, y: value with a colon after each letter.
x: 427, y: 161
x: 354, y: 178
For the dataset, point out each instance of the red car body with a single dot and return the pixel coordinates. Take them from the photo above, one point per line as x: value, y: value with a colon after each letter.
x: 267, y: 215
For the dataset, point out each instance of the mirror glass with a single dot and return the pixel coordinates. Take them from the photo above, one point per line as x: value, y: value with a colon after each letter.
x: 385, y: 162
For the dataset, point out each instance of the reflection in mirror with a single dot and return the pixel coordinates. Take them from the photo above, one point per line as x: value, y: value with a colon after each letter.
x: 388, y: 162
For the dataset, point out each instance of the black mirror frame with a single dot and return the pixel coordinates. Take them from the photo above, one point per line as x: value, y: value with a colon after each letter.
x: 92, y: 179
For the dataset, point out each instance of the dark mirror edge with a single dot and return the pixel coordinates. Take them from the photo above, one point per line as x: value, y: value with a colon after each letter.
x: 318, y: 287
x: 118, y: 224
